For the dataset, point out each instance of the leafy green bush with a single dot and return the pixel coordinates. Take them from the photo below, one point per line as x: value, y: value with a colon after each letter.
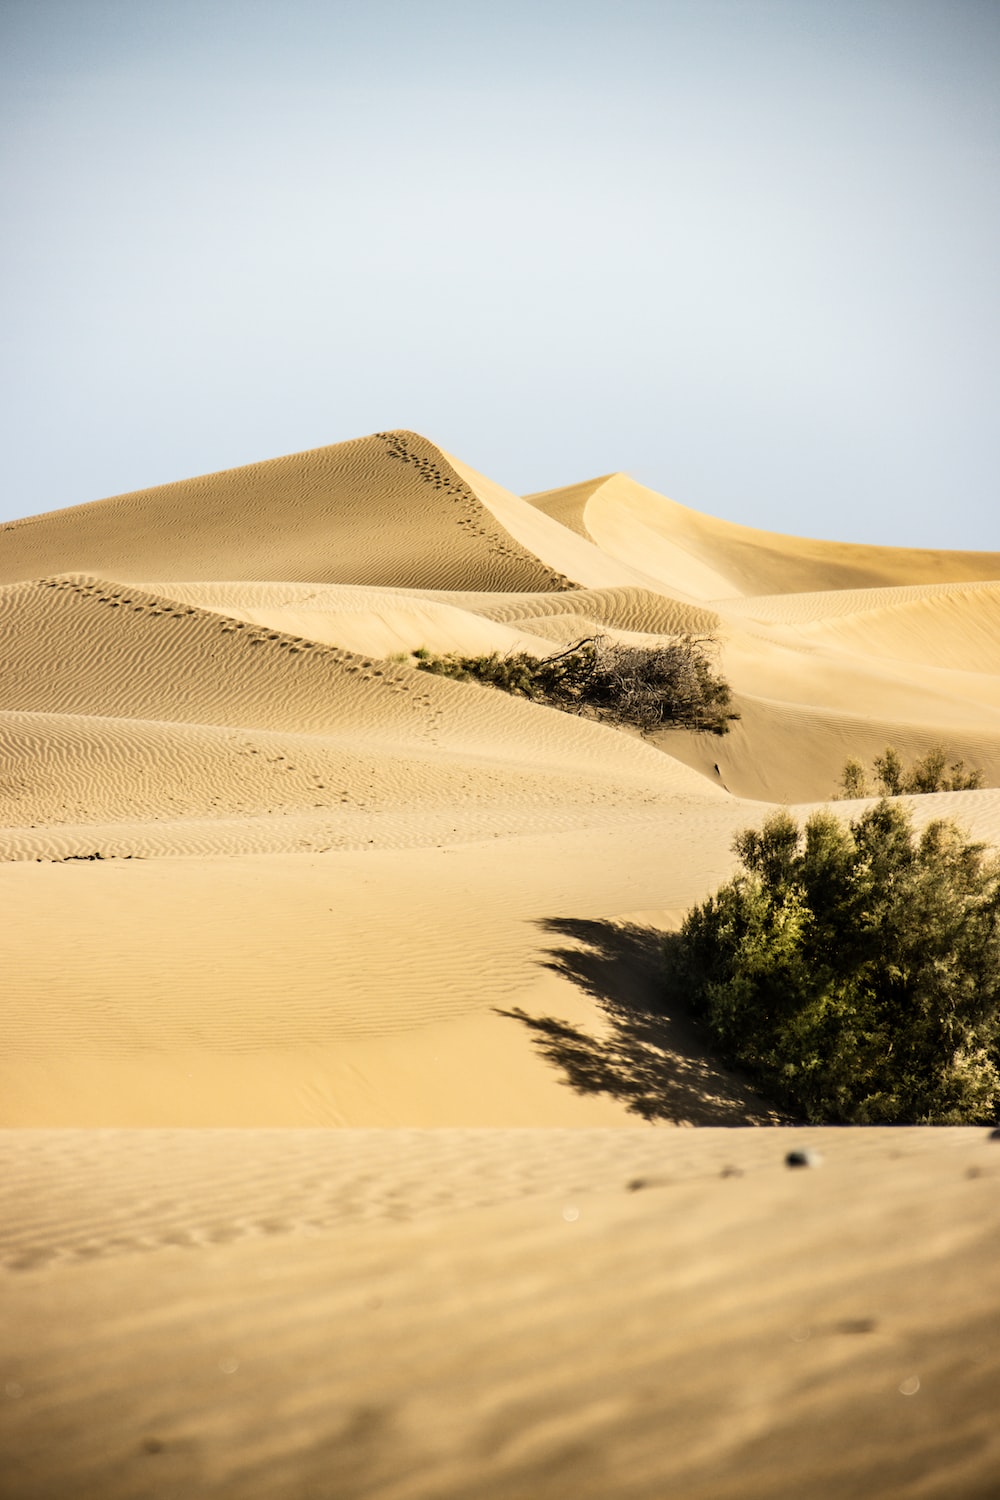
x: 854, y: 970
x: 893, y: 779
x: 650, y: 687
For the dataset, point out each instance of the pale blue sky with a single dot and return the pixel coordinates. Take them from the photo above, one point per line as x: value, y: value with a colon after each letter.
x: 746, y: 250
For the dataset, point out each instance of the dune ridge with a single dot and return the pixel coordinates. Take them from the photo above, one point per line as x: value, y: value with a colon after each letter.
x: 723, y: 558
x: 387, y: 509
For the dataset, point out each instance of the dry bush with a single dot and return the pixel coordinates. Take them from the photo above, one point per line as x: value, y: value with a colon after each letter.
x: 672, y: 685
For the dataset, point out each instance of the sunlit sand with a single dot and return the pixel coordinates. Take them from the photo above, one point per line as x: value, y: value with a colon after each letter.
x: 258, y: 872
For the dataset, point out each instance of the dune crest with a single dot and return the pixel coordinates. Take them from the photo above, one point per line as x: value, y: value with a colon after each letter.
x: 719, y: 559
x: 384, y: 510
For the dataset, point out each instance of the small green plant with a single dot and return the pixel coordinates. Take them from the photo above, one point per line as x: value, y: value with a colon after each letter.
x: 893, y: 779
x: 854, y: 969
x: 672, y: 685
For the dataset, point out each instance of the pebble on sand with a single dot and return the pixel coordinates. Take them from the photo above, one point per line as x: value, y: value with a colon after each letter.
x: 804, y: 1158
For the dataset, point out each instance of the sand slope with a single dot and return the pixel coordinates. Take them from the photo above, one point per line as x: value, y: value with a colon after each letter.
x: 387, y: 509
x: 709, y: 558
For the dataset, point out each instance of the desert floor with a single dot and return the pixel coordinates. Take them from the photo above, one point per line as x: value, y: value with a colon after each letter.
x: 258, y: 872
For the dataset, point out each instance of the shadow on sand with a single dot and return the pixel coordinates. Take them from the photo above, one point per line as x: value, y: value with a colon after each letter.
x: 655, y: 1064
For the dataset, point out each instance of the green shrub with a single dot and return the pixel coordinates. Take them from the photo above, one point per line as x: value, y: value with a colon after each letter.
x: 853, y: 970
x: 650, y: 687
x: 893, y: 779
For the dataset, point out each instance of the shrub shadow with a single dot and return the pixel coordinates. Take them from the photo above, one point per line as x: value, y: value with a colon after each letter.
x: 654, y: 1063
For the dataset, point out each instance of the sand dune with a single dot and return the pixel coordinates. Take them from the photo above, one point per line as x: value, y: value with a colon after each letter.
x: 709, y: 558
x: 953, y: 626
x: 258, y: 871
x: 369, y: 622
x: 808, y: 747
x: 200, y: 687
x: 382, y: 510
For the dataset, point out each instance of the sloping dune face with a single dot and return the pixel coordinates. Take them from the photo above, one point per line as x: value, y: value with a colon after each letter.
x: 387, y: 509
x: 714, y: 559
x: 260, y: 870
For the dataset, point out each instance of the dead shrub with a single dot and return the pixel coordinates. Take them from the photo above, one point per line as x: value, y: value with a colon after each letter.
x: 668, y: 685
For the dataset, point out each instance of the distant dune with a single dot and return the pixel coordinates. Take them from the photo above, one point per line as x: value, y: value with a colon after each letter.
x: 258, y: 871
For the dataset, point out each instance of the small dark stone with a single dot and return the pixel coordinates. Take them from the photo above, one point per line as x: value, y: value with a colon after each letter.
x: 153, y: 1445
x: 994, y: 1134
x: 731, y: 1171
x: 856, y: 1325
x: 636, y: 1185
x: 804, y: 1158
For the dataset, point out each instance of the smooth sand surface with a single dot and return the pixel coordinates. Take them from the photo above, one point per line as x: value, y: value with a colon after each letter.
x: 258, y: 872
x: 407, y: 1314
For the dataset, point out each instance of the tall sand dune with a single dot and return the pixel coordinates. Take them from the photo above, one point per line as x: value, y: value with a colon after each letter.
x: 387, y: 509
x: 715, y: 559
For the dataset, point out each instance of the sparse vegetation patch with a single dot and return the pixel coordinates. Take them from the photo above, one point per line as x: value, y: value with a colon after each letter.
x: 893, y: 779
x: 649, y: 687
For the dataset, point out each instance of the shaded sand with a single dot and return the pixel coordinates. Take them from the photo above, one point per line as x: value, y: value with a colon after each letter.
x: 440, y: 1314
x: 258, y: 871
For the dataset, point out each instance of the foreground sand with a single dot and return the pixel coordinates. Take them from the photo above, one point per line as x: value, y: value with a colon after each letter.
x: 407, y: 1315
x: 255, y: 872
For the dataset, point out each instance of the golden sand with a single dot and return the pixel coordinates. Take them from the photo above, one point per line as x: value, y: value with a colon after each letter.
x: 257, y: 874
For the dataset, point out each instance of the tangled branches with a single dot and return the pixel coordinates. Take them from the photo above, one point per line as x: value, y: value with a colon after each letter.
x: 670, y: 685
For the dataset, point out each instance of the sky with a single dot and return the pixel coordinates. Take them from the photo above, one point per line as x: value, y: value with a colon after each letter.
x: 744, y: 250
